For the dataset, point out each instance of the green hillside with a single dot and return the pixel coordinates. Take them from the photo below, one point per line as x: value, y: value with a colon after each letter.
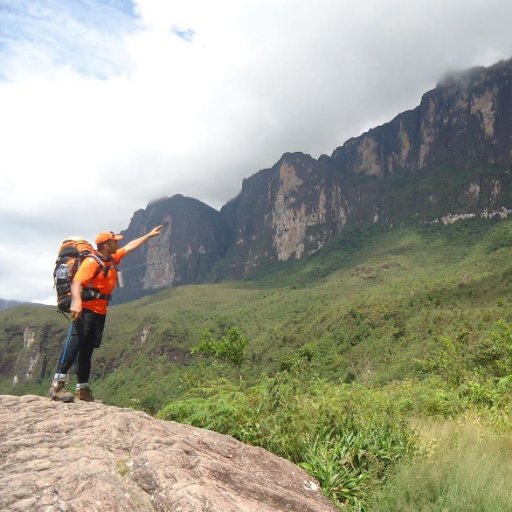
x: 368, y: 305
x: 383, y: 355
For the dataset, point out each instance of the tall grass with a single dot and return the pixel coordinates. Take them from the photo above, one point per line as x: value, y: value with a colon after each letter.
x: 468, y: 469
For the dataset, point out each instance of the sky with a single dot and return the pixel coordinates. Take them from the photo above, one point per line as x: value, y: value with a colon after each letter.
x: 107, y: 105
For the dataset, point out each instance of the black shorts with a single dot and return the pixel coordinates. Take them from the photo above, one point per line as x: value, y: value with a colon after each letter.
x: 90, y: 327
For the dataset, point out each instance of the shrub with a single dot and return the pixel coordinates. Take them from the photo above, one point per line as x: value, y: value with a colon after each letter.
x: 348, y: 436
x: 492, y: 355
x: 229, y: 348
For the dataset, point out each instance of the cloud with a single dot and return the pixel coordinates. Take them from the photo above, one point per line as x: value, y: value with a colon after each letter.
x: 187, y: 34
x: 107, y: 105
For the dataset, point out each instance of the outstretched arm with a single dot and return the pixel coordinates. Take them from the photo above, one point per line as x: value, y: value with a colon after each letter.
x: 135, y: 244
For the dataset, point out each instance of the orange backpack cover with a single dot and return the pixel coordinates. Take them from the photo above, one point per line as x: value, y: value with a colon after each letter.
x: 72, y: 252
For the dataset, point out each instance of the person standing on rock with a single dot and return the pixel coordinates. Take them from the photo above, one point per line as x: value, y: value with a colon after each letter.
x: 88, y: 318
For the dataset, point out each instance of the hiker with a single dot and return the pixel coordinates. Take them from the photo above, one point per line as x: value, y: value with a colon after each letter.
x: 99, y: 272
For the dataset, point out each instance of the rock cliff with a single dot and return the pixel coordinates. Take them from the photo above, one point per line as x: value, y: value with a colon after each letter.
x: 464, y: 122
x: 449, y: 158
x: 91, y: 457
x: 194, y: 237
x: 282, y: 213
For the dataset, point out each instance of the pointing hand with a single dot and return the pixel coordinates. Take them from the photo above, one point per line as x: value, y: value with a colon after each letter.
x: 155, y: 231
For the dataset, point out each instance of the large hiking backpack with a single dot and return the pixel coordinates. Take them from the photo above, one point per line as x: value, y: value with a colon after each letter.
x: 72, y: 252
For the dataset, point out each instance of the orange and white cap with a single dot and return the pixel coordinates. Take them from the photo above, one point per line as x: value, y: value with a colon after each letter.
x: 107, y: 235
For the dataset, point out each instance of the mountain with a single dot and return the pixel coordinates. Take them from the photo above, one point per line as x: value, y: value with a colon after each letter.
x: 195, y: 236
x: 465, y: 122
x: 380, y: 285
x: 4, y: 303
x: 447, y: 159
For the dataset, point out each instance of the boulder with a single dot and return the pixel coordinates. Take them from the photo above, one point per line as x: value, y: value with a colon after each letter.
x: 94, y: 457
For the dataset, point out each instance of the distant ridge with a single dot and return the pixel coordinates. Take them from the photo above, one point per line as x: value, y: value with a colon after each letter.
x: 6, y: 303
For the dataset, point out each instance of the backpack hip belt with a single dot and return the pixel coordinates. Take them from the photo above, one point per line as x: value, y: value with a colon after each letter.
x: 93, y: 294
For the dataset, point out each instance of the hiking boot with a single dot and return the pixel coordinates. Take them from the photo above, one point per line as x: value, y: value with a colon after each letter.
x: 84, y: 394
x: 59, y: 392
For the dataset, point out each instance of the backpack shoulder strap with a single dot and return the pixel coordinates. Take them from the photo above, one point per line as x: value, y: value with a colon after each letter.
x: 100, y: 262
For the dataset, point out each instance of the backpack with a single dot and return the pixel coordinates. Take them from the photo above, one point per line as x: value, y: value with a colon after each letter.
x: 72, y: 252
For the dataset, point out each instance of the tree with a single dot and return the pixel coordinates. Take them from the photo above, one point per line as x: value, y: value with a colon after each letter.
x: 230, y: 348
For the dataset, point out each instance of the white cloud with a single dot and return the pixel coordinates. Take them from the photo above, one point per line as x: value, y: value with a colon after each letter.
x: 103, y: 112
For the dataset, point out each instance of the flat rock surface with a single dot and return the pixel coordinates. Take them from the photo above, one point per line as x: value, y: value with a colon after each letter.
x: 93, y: 457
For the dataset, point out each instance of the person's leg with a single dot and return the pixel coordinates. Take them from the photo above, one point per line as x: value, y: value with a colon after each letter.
x: 93, y: 325
x: 83, y: 370
x: 83, y: 391
x: 69, y: 352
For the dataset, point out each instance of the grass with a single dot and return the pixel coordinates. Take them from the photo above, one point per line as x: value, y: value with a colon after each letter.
x: 466, y: 469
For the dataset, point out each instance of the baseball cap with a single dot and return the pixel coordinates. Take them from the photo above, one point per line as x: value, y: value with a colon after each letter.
x: 107, y: 235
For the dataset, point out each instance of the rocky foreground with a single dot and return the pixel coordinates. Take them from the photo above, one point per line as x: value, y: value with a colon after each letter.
x: 93, y: 457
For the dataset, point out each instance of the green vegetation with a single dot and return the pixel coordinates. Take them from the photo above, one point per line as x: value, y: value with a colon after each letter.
x: 229, y: 348
x: 381, y: 364
x: 369, y: 445
x: 346, y: 436
x: 467, y: 468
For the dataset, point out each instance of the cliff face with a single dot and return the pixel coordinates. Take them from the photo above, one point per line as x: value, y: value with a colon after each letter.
x: 449, y: 158
x: 464, y: 122
x: 284, y: 213
x: 194, y: 237
x: 26, y: 350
